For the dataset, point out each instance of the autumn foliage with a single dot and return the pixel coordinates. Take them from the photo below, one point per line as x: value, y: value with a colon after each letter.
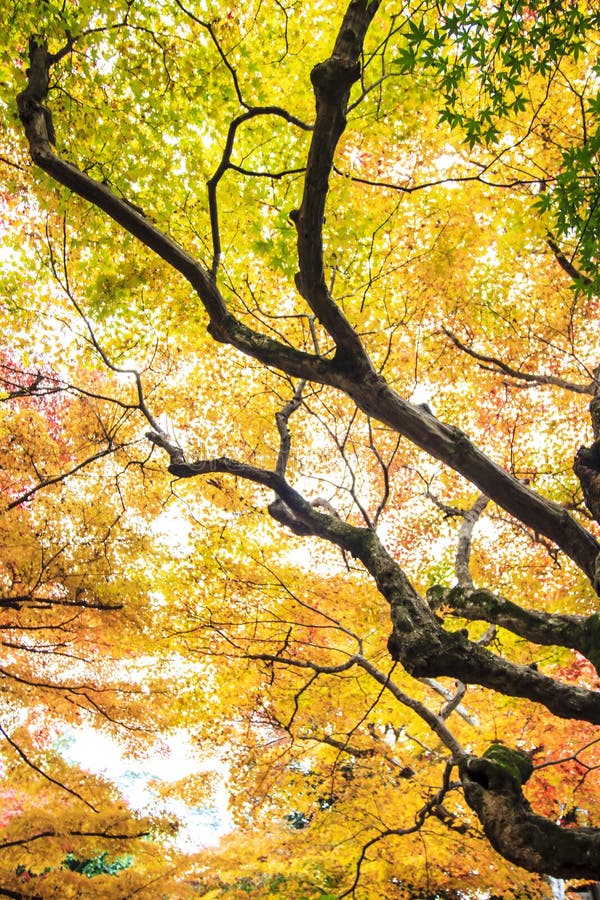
x: 300, y: 346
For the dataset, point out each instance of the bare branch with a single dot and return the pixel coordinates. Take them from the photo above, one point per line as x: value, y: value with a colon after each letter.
x: 282, y: 418
x: 453, y: 700
x: 332, y: 81
x: 465, y: 535
x: 106, y: 834
x: 225, y: 164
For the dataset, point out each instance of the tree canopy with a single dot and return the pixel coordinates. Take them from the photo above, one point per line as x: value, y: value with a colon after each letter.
x: 301, y: 442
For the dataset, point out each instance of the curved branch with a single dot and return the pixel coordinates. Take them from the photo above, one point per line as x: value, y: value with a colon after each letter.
x: 208, y: 27
x: 225, y: 164
x: 435, y: 722
x: 521, y: 836
x: 282, y: 418
x: 465, y: 535
x: 496, y: 365
x: 332, y: 81
x: 425, y: 185
x: 432, y: 807
x: 453, y: 700
x: 576, y: 632
x: 427, y: 650
x: 350, y: 371
x: 420, y: 643
x: 65, y: 285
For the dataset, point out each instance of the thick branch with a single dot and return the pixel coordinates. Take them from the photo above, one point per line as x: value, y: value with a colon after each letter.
x: 332, y: 81
x: 223, y: 326
x: 453, y: 447
x: 421, y: 644
x: 521, y: 836
x: 427, y: 650
x: 355, y: 376
x: 37, y: 123
x: 580, y: 633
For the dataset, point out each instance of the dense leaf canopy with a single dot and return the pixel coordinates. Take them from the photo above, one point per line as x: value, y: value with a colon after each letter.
x: 300, y: 443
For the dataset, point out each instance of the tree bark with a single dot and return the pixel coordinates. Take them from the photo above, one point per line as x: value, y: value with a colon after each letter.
x: 521, y: 836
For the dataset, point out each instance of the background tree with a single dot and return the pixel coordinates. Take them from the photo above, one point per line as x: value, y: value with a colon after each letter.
x: 401, y: 203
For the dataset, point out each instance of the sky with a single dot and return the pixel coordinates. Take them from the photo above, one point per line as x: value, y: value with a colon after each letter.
x: 200, y: 826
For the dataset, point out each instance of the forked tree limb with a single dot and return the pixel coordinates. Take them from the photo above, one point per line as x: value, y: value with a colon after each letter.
x: 350, y: 370
x: 423, y: 646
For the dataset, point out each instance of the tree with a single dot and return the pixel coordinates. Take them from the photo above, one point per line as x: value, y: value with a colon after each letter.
x: 75, y: 654
x: 421, y: 215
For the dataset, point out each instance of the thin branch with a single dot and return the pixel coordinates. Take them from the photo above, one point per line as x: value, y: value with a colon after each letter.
x: 572, y: 757
x: 430, y: 808
x: 225, y: 164
x: 49, y: 602
x: 208, y: 27
x: 64, y: 283
x: 454, y: 701
x: 119, y: 836
x: 272, y: 176
x: 342, y: 746
x: 434, y: 721
x: 566, y: 264
x: 424, y: 185
x: 450, y: 698
x: 497, y: 365
x: 41, y: 772
x: 465, y: 536
x: 58, y: 478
